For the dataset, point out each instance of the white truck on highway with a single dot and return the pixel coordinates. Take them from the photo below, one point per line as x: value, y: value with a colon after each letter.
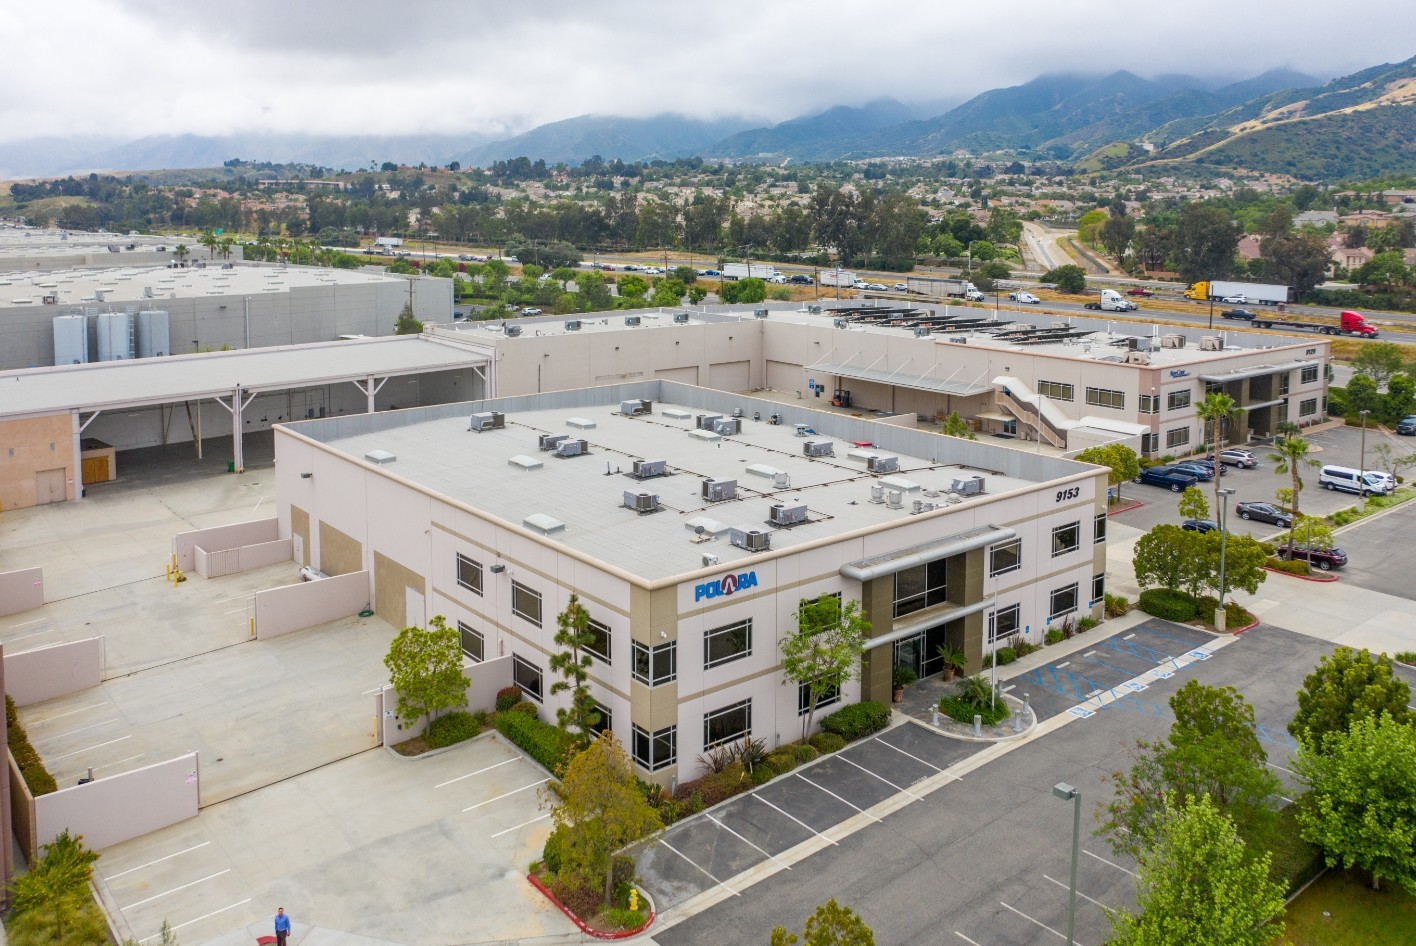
x: 839, y: 277
x: 1112, y: 301
x: 762, y: 271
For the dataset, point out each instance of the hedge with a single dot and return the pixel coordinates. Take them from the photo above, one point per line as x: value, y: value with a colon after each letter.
x: 453, y: 728
x: 824, y: 742
x: 857, y: 720
x: 36, y: 776
x: 1169, y: 605
x: 1292, y: 566
x: 507, y: 697
x: 543, y: 742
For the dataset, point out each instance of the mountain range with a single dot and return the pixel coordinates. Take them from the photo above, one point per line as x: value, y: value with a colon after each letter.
x: 1281, y: 121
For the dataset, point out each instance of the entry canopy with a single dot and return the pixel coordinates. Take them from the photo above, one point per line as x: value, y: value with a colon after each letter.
x: 891, y: 562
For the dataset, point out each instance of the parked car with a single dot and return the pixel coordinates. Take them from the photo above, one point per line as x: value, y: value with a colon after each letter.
x: 800, y: 279
x: 1200, y: 525
x: 1325, y: 559
x: 1242, y: 315
x: 1243, y: 459
x: 710, y: 272
x: 1204, y: 472
x: 1239, y: 299
x: 875, y: 287
x: 1407, y: 426
x: 1174, y: 480
x: 1026, y: 298
x: 1264, y: 512
x: 1138, y: 291
x: 1350, y: 480
x: 530, y: 310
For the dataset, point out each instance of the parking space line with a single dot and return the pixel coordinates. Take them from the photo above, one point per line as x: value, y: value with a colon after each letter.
x: 478, y: 772
x: 746, y: 841
x: 1274, y: 765
x: 505, y: 794
x: 81, y: 729
x: 808, y: 827
x: 1038, y: 922
x: 522, y: 825
x: 25, y: 623
x: 1079, y: 893
x: 903, y: 791
x: 835, y: 796
x: 1105, y: 861
x: 88, y: 748
x: 916, y: 758
x: 112, y: 877
x: 965, y: 938
x: 164, y: 893
x: 204, y: 916
x: 695, y: 864
x: 71, y: 712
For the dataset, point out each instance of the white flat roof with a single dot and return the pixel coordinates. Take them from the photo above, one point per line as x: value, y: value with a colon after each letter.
x: 135, y: 382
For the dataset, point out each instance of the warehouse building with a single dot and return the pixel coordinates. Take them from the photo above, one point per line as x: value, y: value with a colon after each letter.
x: 30, y: 249
x: 692, y: 524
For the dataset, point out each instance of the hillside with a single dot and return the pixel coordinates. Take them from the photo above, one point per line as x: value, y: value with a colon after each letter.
x: 629, y: 139
x: 814, y: 137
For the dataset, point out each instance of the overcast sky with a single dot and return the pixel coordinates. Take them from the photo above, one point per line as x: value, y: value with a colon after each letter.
x: 138, y: 67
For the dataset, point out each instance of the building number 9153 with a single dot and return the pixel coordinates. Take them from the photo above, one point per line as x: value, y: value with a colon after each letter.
x: 1065, y: 494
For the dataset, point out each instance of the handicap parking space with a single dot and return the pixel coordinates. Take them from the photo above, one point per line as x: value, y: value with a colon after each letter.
x: 707, y: 850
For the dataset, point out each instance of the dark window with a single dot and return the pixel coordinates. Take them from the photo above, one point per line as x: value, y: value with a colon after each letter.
x: 1098, y: 587
x: 1177, y: 400
x: 1177, y: 437
x: 472, y: 642
x: 728, y: 643
x: 655, y: 665
x: 920, y: 587
x: 1099, y: 528
x: 1150, y: 403
x: 1308, y: 407
x: 1064, y: 601
x: 1056, y: 390
x: 1066, y: 538
x: 827, y: 693
x: 469, y: 573
x: 605, y: 723
x: 1105, y: 397
x: 1005, y: 557
x: 1003, y: 622
x: 1284, y: 379
x: 1310, y: 374
x: 600, y: 646
x: 653, y: 751
x: 526, y: 675
x: 728, y: 724
x: 1148, y: 443
x: 526, y: 603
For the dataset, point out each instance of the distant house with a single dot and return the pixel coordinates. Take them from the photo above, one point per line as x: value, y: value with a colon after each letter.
x: 1366, y: 218
x: 1399, y: 197
x: 1316, y: 218
x: 1249, y: 248
x: 1351, y: 257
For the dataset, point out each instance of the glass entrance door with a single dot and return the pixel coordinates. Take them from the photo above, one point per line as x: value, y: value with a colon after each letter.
x: 910, y: 653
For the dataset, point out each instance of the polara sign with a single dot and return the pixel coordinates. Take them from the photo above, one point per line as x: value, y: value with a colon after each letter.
x: 728, y: 584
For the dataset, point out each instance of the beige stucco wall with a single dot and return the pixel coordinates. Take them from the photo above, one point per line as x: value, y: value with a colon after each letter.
x: 30, y: 445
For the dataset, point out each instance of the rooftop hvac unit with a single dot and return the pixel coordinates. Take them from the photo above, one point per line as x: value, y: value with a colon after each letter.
x: 572, y: 448
x: 640, y: 500
x: 680, y: 318
x: 487, y: 420
x: 840, y: 323
x: 921, y: 331
x: 50, y: 299
x: 781, y: 480
x: 636, y: 407
x: 512, y: 331
x: 706, y: 421
x: 894, y: 499
x: 883, y: 464
x: 753, y: 540
x: 774, y: 419
x: 572, y: 325
x: 1138, y: 358
x: 784, y: 515
x: 738, y: 412
x: 709, y: 559
x: 550, y: 441
x: 631, y: 320
x: 818, y: 448
x: 815, y: 310
x: 1138, y: 343
x: 646, y: 469
x: 968, y: 486
x: 1172, y: 341
x: 717, y: 491
x: 960, y: 340
x: 1211, y: 343
x: 920, y: 506
x: 802, y: 430
x: 759, y: 313
x: 727, y: 426
x: 877, y: 494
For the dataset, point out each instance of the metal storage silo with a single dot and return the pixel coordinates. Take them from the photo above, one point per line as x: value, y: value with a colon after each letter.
x: 152, y: 334
x: 70, y: 339
x: 115, y: 336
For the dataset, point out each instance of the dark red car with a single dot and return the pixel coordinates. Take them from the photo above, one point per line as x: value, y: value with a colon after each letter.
x: 1138, y: 291
x: 1325, y: 559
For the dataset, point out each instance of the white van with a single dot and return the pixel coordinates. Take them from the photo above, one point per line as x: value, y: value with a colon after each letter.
x: 1351, y: 480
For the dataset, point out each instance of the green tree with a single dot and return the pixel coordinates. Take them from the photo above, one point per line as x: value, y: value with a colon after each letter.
x: 1069, y: 278
x: 572, y: 662
x: 407, y: 324
x: 1205, y: 242
x: 1361, y: 802
x: 1400, y: 397
x: 831, y: 925
x: 1289, y: 456
x: 63, y: 868
x: 956, y: 426
x: 1193, y: 504
x: 1383, y: 269
x: 599, y: 809
x: 425, y: 668
x: 591, y: 293
x: 685, y: 274
x: 668, y: 293
x: 696, y: 294
x: 1198, y: 883
x: 1387, y: 459
x: 1115, y: 234
x: 1244, y: 561
x: 743, y: 291
x: 990, y: 273
x: 1348, y: 685
x: 1379, y: 361
x: 1362, y: 395
x: 1300, y: 260
x: 1170, y: 557
x: 1312, y: 531
x: 825, y: 652
x: 633, y: 288
x: 1120, y: 459
x: 1089, y: 226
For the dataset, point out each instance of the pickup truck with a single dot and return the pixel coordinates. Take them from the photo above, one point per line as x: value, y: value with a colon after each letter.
x: 1241, y: 314
x: 1167, y: 477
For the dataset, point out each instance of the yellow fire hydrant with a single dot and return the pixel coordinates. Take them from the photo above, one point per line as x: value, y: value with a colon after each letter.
x: 634, y: 899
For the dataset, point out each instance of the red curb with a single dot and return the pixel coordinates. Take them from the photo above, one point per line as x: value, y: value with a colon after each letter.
x: 1248, y: 627
x: 584, y: 928
x: 1135, y: 504
x: 1317, y: 578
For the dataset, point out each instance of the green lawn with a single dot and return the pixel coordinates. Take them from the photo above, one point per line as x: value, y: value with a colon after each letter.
x: 1341, y: 909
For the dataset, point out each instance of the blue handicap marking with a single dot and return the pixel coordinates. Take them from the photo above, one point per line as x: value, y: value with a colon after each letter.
x: 1081, y: 712
x: 1162, y: 673
x: 1134, y: 687
x: 1199, y: 654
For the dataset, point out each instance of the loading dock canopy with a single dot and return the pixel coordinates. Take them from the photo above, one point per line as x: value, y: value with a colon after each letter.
x: 891, y: 562
x: 1256, y: 372
x: 917, y: 382
x: 148, y: 381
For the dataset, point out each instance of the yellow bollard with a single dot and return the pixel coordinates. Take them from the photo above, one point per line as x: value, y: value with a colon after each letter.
x: 634, y: 899
x: 169, y: 571
x: 253, y: 627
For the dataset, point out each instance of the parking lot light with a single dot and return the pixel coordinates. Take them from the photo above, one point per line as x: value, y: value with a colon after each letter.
x: 1362, y: 464
x: 1064, y: 791
x: 1219, y: 613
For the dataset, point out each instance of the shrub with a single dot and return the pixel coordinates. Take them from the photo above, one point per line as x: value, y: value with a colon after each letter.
x: 1407, y: 657
x: 974, y: 697
x: 806, y: 752
x: 453, y: 728
x: 857, y: 720
x: 1169, y: 605
x: 1236, y: 615
x: 621, y: 871
x: 782, y: 759
x: 623, y: 918
x: 1086, y: 624
x: 1005, y: 655
x: 762, y: 774
x: 584, y: 901
x: 1116, y: 605
x: 824, y: 742
x: 1053, y: 636
x: 1291, y: 567
x: 714, y: 787
x: 507, y: 697
x: 543, y: 742
x: 36, y: 776
x: 526, y: 707
x: 553, y: 850
x: 1023, y: 648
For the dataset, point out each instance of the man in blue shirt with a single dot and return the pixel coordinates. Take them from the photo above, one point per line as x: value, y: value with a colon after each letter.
x: 282, y: 926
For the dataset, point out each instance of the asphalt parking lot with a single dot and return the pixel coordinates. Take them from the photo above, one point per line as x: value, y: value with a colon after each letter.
x: 1372, y: 548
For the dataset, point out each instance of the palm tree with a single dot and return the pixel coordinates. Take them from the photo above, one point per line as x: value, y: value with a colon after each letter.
x: 209, y: 240
x: 1215, y: 410
x: 226, y: 244
x: 181, y: 252
x: 1291, y: 455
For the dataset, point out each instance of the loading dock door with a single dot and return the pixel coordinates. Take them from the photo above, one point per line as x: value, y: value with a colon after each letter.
x: 50, y: 487
x: 687, y: 375
x: 730, y: 376
x: 784, y: 376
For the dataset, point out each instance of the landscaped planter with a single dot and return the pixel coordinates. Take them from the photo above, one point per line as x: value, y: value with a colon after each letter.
x: 1320, y: 577
x: 586, y: 928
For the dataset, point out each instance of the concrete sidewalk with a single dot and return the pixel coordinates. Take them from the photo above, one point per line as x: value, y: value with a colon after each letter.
x: 1332, y: 611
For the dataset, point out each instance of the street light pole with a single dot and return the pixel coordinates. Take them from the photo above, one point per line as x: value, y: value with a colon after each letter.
x: 1363, y: 463
x: 1065, y: 792
x: 1220, y: 615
